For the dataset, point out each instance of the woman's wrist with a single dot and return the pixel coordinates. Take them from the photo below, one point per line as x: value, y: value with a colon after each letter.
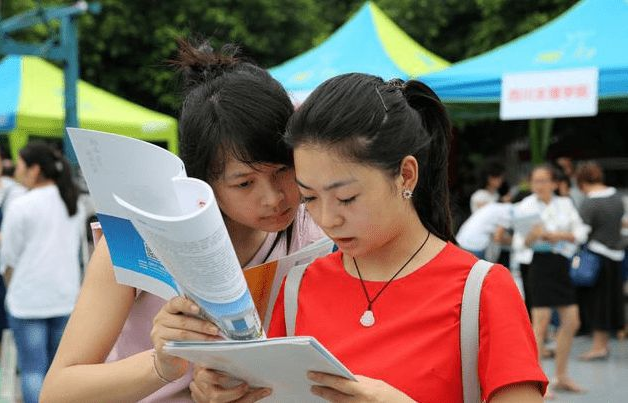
x: 157, y: 370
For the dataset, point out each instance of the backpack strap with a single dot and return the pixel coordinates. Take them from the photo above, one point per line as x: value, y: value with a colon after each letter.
x: 291, y: 297
x: 470, y: 331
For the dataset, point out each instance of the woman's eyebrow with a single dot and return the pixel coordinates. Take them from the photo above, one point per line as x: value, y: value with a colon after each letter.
x: 330, y: 186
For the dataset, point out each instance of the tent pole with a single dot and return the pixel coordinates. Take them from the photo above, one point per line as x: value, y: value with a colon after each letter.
x: 540, y: 134
x: 69, y: 39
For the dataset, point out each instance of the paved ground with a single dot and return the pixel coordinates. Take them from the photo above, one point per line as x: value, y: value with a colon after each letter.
x: 606, y: 381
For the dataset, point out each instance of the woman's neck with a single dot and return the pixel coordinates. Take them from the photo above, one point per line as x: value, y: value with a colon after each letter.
x: 42, y: 183
x: 545, y: 198
x: 246, y: 240
x: 382, y: 263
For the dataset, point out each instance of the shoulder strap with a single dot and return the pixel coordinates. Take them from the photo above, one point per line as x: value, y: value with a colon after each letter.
x: 291, y: 297
x: 469, y: 331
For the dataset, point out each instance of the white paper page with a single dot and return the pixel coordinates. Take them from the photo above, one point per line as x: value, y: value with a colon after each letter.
x: 280, y: 364
x: 139, y: 172
x: 524, y: 224
x: 194, y: 246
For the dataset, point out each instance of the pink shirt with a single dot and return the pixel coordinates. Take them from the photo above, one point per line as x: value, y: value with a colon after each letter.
x: 135, y: 335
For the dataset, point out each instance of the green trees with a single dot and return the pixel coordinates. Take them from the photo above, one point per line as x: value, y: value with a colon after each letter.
x: 124, y: 49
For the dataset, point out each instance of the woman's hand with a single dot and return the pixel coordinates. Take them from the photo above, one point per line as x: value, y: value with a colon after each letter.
x: 535, y: 234
x: 215, y: 387
x: 178, y: 320
x: 337, y: 389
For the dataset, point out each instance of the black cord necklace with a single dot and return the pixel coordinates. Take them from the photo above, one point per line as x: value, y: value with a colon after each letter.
x: 368, y: 319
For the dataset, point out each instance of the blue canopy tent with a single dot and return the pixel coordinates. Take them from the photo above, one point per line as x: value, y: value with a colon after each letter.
x: 369, y: 42
x: 592, y: 33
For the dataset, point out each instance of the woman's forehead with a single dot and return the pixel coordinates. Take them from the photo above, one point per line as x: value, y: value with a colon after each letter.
x: 236, y: 168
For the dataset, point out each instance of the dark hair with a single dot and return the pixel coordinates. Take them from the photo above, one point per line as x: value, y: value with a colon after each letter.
x: 380, y: 123
x: 53, y: 166
x: 492, y: 169
x: 520, y: 195
x: 589, y: 172
x: 8, y: 168
x: 231, y: 107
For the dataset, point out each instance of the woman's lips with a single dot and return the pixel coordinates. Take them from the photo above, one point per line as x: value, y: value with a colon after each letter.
x: 344, y: 243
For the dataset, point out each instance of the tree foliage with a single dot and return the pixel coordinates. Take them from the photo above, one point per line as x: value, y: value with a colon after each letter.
x: 124, y: 49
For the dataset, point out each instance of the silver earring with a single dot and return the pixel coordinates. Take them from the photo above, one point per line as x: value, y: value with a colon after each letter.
x: 406, y: 194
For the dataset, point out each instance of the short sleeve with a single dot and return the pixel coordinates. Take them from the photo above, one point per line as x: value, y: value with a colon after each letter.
x: 277, y: 327
x: 480, y: 198
x: 507, y: 351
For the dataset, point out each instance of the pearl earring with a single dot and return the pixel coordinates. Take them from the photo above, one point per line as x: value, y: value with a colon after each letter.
x: 406, y: 194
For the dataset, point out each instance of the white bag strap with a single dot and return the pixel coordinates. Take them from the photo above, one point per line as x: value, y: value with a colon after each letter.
x: 291, y: 297
x: 470, y: 331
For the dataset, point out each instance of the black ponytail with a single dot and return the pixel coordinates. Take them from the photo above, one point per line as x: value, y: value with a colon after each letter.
x: 432, y: 201
x: 53, y: 166
x: 380, y: 123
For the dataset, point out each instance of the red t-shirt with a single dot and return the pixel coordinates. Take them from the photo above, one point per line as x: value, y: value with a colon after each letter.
x: 415, y: 342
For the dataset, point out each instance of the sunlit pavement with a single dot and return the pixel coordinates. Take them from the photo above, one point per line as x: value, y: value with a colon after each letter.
x: 606, y: 381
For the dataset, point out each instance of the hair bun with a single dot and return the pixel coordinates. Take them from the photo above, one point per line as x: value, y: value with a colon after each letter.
x: 396, y: 83
x: 420, y: 96
x: 201, y: 63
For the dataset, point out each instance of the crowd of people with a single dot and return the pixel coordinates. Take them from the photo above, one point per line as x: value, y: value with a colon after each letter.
x: 559, y: 211
x: 364, y: 162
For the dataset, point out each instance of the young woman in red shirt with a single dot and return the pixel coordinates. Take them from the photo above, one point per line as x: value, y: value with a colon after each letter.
x: 371, y: 164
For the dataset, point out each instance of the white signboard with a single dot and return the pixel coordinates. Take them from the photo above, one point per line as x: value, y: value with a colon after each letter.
x: 549, y: 94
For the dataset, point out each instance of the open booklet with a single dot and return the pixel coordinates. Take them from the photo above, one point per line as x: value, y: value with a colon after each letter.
x: 523, y: 224
x: 279, y: 363
x: 166, y: 235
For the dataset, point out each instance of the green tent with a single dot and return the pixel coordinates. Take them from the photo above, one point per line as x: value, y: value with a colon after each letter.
x: 32, y: 105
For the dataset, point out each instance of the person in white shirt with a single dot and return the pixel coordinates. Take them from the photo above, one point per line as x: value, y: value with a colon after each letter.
x: 477, y: 232
x: 547, y: 241
x: 40, y: 260
x: 9, y: 191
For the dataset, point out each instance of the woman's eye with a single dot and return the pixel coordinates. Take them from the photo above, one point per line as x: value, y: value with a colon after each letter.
x: 307, y: 200
x: 282, y: 169
x: 345, y: 202
x: 243, y: 185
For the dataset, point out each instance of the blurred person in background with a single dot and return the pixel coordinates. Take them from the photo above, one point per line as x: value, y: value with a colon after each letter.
x: 566, y: 165
x: 493, y: 177
x: 40, y: 260
x: 548, y: 248
x: 9, y: 190
x: 602, y: 305
x: 485, y: 230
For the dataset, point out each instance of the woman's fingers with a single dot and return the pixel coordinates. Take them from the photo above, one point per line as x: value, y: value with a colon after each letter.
x: 181, y: 305
x: 185, y: 323
x: 177, y: 320
x: 203, y: 392
x: 215, y: 386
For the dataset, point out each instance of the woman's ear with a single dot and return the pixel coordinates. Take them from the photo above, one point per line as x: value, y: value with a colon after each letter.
x: 34, y: 173
x: 409, y: 173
